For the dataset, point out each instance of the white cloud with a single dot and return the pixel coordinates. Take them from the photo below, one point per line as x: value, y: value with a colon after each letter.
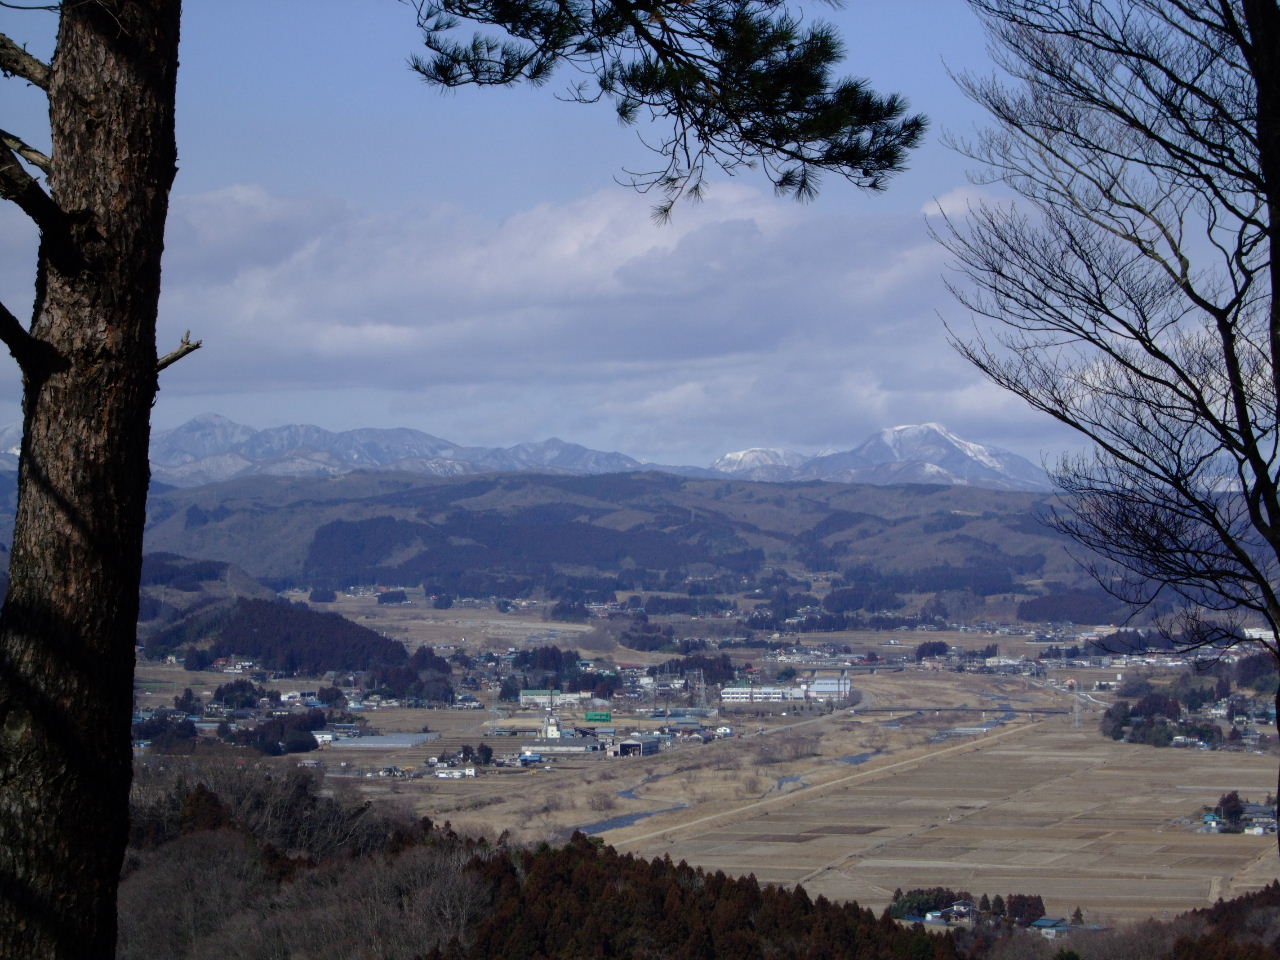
x: 747, y: 321
x: 957, y: 203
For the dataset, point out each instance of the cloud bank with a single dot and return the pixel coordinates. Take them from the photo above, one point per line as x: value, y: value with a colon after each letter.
x: 748, y: 321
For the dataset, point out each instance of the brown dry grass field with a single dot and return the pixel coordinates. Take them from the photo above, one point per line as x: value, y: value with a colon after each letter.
x: 1038, y: 805
x: 480, y: 628
x: 1045, y: 808
x: 417, y: 624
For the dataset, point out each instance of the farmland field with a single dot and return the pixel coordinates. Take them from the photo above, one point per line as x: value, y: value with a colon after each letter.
x: 857, y: 803
x: 1043, y: 808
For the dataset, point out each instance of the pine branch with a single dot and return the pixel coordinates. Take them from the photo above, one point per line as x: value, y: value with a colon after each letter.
x: 739, y: 84
x: 18, y: 185
x: 34, y: 356
x: 16, y: 62
x: 185, y: 346
x: 26, y: 151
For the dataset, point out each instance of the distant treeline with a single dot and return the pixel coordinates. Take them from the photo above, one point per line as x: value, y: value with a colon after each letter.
x: 1154, y: 721
x: 1063, y: 605
x: 424, y: 677
x: 765, y: 619
x: 649, y: 637
x: 1153, y: 717
x: 1020, y: 908
x: 179, y: 573
x: 992, y: 576
x: 714, y: 669
x: 522, y: 557
x: 699, y: 606
x: 550, y: 667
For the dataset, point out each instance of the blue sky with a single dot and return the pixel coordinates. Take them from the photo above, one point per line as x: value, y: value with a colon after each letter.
x: 358, y: 249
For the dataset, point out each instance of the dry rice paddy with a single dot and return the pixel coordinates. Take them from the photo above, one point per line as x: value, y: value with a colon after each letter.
x: 1042, y: 804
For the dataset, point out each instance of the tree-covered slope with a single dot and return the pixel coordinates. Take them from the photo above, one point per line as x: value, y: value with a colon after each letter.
x: 399, y: 529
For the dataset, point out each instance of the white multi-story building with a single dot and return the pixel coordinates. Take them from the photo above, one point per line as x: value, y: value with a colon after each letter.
x: 760, y: 694
x: 830, y: 687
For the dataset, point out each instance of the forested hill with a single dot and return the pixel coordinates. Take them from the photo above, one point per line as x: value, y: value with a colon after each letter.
x: 205, y: 875
x: 587, y: 538
x: 279, y: 636
x: 206, y: 868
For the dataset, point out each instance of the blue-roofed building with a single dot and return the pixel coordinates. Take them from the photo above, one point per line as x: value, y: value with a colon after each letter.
x: 1051, y: 928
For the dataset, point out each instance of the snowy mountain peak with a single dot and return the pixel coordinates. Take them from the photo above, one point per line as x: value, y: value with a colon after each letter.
x: 211, y: 447
x: 966, y: 461
x: 929, y: 442
x: 915, y: 435
x: 755, y: 457
x: 917, y: 428
x: 203, y: 436
x: 909, y: 453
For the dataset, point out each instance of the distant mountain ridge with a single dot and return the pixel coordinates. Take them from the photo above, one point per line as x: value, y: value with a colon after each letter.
x: 927, y: 453
x: 211, y: 448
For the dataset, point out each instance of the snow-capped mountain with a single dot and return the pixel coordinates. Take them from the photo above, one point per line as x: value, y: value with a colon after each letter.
x: 210, y: 448
x: 920, y: 453
x: 970, y: 463
x: 760, y: 463
x: 10, y: 447
x: 203, y: 436
x: 557, y: 455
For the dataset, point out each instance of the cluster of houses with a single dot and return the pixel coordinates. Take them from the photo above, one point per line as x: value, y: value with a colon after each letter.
x: 833, y: 686
x: 1255, y: 818
x: 557, y: 739
x: 964, y: 912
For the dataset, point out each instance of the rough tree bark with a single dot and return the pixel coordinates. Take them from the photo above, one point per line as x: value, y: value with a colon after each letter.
x: 89, y: 379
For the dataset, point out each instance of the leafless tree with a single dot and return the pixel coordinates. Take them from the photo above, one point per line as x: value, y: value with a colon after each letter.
x: 601, y: 800
x: 182, y: 892
x: 1128, y: 290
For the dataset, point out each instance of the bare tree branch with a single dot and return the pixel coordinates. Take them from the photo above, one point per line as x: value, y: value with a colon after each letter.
x: 18, y: 185
x: 16, y: 62
x: 26, y: 151
x: 185, y: 346
x: 34, y: 356
x: 1131, y: 293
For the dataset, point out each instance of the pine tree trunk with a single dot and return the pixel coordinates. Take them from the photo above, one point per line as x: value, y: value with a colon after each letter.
x: 68, y: 626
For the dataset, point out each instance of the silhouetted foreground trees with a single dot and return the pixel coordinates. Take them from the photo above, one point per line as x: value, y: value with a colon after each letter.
x: 228, y: 860
x: 259, y: 862
x: 582, y: 900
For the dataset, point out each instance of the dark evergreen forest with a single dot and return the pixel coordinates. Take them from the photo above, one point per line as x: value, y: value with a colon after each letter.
x: 261, y: 862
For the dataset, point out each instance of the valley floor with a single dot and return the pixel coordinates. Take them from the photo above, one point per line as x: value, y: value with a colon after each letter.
x: 1044, y: 808
x: 860, y: 802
